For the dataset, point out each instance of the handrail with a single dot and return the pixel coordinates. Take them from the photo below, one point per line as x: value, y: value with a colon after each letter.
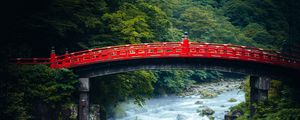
x: 166, y: 49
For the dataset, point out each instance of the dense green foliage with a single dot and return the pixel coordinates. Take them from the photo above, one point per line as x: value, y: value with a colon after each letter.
x: 110, y: 89
x: 282, y: 103
x: 37, y: 92
x: 172, y: 81
x: 77, y: 24
x: 32, y: 27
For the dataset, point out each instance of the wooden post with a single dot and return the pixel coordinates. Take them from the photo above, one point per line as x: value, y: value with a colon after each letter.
x: 185, y: 43
x: 52, y: 58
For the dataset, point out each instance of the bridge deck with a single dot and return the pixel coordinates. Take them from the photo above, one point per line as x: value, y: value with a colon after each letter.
x: 165, y: 50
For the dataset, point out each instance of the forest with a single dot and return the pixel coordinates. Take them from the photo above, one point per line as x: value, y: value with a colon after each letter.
x: 33, y: 27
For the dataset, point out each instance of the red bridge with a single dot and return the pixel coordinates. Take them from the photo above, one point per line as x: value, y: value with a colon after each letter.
x: 260, y: 64
x: 183, y: 49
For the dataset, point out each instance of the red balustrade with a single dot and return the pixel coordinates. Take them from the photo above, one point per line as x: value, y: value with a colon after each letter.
x: 183, y: 49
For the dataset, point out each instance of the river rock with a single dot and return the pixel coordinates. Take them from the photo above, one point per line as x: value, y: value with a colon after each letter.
x: 199, y: 102
x: 207, y: 94
x: 233, y: 115
x: 207, y: 111
x: 181, y: 117
x: 202, y: 106
x: 198, y: 111
x: 232, y: 100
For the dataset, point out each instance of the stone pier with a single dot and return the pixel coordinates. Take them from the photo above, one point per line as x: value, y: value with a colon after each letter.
x: 259, y: 91
x: 83, y: 108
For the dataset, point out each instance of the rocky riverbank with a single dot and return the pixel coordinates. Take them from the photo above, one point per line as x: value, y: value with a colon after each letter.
x: 211, y: 90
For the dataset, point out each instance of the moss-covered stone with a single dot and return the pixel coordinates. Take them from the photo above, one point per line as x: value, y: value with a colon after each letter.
x: 232, y: 100
x: 207, y: 111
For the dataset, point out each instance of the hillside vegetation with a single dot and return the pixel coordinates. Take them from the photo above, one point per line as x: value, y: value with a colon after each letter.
x: 33, y: 27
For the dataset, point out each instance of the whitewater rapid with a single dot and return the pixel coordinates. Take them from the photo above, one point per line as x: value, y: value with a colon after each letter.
x: 180, y: 108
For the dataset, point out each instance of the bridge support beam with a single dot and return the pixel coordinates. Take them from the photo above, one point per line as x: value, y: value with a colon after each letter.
x: 83, y: 108
x: 259, y: 91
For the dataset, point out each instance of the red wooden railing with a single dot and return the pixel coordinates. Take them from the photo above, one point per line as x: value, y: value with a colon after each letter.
x: 183, y: 49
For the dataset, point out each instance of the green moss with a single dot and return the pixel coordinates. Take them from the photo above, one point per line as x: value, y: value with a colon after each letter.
x: 232, y: 100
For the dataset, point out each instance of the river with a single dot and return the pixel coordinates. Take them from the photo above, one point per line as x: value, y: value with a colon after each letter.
x: 181, y: 108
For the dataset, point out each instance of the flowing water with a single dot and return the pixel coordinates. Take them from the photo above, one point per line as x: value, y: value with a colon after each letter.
x: 181, y: 108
